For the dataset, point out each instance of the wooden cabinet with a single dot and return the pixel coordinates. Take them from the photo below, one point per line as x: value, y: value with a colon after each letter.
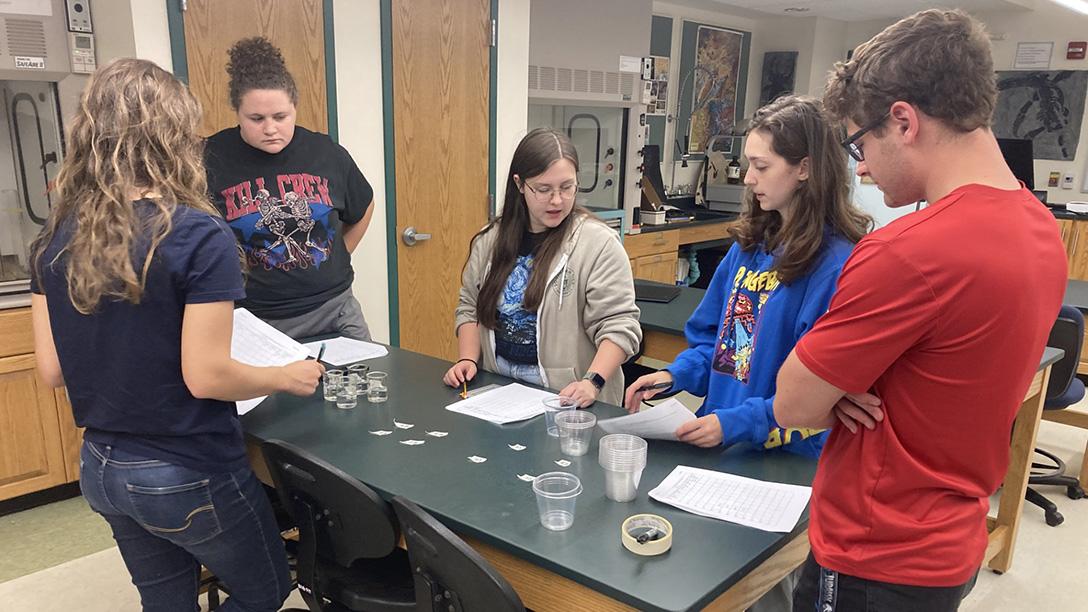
x: 654, y: 254
x: 660, y: 268
x: 39, y: 442
x: 1075, y: 236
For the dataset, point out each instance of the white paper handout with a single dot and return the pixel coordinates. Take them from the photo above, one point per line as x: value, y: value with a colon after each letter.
x: 507, y: 404
x: 342, y: 351
x: 770, y: 506
x: 257, y: 343
x: 657, y: 423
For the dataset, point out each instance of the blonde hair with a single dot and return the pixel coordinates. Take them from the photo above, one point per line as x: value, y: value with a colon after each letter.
x: 134, y: 133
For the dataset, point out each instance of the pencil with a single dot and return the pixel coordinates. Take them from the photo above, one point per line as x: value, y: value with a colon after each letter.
x: 464, y: 391
x: 321, y: 351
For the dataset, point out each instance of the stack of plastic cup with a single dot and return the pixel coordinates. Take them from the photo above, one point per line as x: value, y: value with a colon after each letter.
x: 623, y: 458
x: 552, y: 406
x: 556, y: 494
x: 575, y: 431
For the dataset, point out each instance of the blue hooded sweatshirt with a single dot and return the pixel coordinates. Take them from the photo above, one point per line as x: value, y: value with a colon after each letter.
x: 741, y: 334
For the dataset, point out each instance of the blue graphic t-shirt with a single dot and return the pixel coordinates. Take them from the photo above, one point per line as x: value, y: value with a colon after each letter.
x: 288, y: 211
x: 515, y: 331
x: 742, y: 332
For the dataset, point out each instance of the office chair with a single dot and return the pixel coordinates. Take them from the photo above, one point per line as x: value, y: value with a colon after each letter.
x: 449, y: 575
x: 1064, y: 390
x: 347, y: 557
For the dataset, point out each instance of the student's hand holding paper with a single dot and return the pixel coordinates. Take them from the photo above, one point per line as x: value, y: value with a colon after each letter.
x: 859, y: 409
x: 704, y: 432
x: 301, y: 377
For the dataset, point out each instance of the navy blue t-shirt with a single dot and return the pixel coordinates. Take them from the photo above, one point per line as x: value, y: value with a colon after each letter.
x: 122, y: 364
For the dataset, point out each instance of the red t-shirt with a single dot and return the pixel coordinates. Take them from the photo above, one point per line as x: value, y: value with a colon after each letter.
x: 944, y: 315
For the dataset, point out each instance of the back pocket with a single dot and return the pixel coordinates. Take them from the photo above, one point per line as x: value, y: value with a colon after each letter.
x: 183, y: 514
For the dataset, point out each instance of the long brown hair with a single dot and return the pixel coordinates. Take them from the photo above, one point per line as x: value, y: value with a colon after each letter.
x: 134, y: 133
x: 799, y: 130
x: 539, y: 149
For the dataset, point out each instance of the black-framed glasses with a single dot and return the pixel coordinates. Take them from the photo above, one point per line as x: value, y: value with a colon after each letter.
x: 544, y: 192
x: 851, y: 143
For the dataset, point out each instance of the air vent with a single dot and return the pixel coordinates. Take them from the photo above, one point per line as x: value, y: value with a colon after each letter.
x: 25, y: 37
x: 581, y: 81
x: 547, y: 78
x: 612, y: 83
x: 596, y: 81
x: 563, y: 79
x: 627, y: 86
x: 534, y: 77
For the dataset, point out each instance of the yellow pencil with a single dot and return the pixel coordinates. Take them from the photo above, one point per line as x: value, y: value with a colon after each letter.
x: 464, y: 392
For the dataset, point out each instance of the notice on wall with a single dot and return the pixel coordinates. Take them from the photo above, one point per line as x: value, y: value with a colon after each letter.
x: 27, y: 7
x: 1033, y: 56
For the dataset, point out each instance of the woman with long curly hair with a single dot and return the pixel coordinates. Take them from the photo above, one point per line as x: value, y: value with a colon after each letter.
x: 134, y: 281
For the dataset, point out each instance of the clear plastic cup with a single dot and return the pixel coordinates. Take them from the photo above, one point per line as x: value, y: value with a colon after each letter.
x: 575, y: 431
x: 330, y: 383
x: 552, y: 406
x: 376, y: 390
x: 347, y: 394
x: 556, y: 494
x: 623, y: 458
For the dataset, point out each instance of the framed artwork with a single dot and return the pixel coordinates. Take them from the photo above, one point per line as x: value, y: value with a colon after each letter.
x: 779, y: 75
x: 1045, y: 107
x: 716, y: 75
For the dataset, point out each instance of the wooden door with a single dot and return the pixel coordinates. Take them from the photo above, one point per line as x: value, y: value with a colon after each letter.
x: 295, y: 26
x: 31, y: 458
x: 441, y: 89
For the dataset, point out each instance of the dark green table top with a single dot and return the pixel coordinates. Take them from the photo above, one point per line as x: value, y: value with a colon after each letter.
x: 487, y: 501
x: 670, y: 318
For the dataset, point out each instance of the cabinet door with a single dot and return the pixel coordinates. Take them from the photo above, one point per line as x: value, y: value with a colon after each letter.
x: 1077, y: 249
x: 71, y: 437
x: 659, y: 268
x: 31, y: 458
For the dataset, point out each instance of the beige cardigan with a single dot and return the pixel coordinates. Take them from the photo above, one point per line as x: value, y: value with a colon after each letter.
x: 590, y: 297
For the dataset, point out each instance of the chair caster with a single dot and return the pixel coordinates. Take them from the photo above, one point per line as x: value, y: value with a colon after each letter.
x: 1074, y: 491
x: 1054, y: 518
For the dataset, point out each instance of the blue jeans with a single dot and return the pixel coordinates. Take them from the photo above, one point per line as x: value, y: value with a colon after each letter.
x: 168, y: 520
x: 524, y: 372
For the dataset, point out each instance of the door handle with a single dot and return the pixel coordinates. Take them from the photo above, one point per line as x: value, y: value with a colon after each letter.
x: 410, y: 236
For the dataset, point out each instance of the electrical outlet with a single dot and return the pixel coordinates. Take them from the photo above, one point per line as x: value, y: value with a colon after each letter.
x: 1067, y: 180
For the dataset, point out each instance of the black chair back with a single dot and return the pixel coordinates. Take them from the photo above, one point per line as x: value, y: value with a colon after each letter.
x: 1068, y: 335
x: 351, y: 521
x: 449, y: 573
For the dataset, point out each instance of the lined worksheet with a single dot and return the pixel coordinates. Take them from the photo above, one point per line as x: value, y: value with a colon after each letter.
x: 342, y: 351
x: 657, y: 423
x: 507, y: 404
x: 770, y: 506
x: 257, y: 343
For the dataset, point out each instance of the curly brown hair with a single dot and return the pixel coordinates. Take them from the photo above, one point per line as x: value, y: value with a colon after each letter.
x: 799, y: 130
x: 255, y: 63
x: 938, y: 60
x: 135, y: 133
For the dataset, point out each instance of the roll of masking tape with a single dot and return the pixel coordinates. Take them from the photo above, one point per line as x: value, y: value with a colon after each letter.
x: 646, y: 534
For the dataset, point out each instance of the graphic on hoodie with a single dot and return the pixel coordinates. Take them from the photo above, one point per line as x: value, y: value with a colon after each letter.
x: 291, y: 231
x: 515, y: 333
x: 736, y: 340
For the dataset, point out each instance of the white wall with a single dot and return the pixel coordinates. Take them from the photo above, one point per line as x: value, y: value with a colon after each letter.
x: 1048, y: 22
x: 512, y: 105
x: 360, y: 121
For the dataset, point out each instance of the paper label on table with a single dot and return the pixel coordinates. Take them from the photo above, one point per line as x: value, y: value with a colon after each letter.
x: 438, y: 434
x: 657, y: 423
x: 413, y: 442
x: 476, y: 459
x: 517, y: 447
x: 256, y: 343
x: 507, y: 404
x: 403, y: 425
x: 527, y: 477
x: 342, y: 351
x: 381, y: 432
x: 770, y: 506
x: 562, y: 463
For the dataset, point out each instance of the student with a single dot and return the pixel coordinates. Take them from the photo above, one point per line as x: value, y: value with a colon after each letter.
x: 797, y: 229
x: 942, y: 314
x: 295, y: 199
x: 547, y: 295
x: 134, y: 278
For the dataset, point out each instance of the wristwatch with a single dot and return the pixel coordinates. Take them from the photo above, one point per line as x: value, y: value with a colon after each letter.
x: 595, y: 378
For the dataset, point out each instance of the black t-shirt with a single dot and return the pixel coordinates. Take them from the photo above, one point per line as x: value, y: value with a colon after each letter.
x: 122, y: 364
x: 288, y: 211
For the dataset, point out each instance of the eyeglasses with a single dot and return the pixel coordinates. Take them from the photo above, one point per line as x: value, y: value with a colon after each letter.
x: 544, y: 192
x: 851, y: 144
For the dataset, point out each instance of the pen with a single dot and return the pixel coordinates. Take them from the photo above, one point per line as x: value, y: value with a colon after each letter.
x: 321, y: 351
x: 655, y: 386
